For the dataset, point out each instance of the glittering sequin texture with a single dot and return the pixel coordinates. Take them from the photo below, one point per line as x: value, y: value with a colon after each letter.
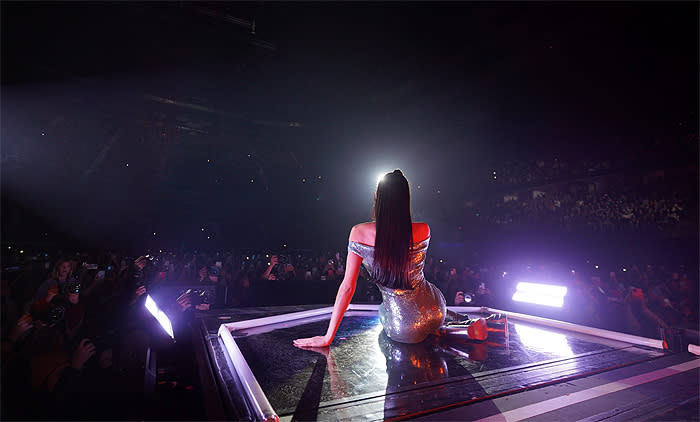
x: 407, y: 316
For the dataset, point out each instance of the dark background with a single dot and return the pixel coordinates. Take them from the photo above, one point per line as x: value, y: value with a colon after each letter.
x: 238, y: 136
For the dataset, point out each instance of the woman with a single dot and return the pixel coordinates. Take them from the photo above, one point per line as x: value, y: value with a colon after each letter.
x: 393, y: 250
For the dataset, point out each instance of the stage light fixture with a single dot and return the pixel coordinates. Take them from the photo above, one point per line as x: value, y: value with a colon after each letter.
x: 159, y: 316
x: 540, y: 294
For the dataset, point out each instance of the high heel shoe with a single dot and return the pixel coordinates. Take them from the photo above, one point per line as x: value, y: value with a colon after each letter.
x: 478, y: 330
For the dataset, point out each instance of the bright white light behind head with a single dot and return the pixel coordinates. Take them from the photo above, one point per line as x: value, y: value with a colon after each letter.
x: 540, y: 294
x: 380, y: 176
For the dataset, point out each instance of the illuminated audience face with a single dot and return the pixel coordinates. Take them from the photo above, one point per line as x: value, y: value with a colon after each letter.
x: 64, y: 269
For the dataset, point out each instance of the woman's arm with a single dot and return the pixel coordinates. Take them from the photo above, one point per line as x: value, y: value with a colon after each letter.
x: 342, y: 300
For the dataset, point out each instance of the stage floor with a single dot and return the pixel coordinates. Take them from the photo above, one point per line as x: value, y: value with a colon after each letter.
x: 248, y: 361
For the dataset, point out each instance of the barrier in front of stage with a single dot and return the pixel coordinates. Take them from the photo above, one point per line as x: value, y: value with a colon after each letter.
x: 598, y: 332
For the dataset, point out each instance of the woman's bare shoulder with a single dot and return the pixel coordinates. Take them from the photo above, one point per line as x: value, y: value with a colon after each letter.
x: 363, y: 233
x: 421, y: 231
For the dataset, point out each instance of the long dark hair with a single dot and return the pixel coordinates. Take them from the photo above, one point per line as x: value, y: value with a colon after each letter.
x: 394, y: 239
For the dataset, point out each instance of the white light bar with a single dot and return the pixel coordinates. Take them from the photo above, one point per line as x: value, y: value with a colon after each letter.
x: 540, y: 294
x: 151, y: 305
x: 159, y: 316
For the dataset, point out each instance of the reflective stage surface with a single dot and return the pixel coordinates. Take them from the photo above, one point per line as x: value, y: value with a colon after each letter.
x: 365, y: 375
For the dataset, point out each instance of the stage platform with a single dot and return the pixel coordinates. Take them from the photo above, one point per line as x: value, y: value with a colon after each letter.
x: 529, y: 368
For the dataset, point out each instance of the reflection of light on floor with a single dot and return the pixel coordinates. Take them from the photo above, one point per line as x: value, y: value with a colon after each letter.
x: 373, y: 364
x: 376, y: 356
x: 543, y: 340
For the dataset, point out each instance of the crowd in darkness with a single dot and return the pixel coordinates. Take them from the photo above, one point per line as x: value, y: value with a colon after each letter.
x: 73, y: 323
x: 73, y: 326
x: 571, y: 164
x: 606, y: 212
x: 636, y: 300
x: 538, y: 171
x: 70, y: 325
x: 653, y: 201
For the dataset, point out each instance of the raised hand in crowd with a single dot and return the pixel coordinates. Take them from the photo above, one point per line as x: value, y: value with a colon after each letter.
x: 51, y: 293
x: 141, y: 262
x: 185, y: 302
x: 140, y: 291
x: 82, y: 354
x: 268, y: 274
x: 23, y: 324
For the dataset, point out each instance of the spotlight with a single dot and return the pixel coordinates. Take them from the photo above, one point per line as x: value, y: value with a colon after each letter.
x: 159, y: 316
x: 540, y: 294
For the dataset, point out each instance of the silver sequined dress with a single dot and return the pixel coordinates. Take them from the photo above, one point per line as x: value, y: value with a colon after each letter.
x: 407, y: 316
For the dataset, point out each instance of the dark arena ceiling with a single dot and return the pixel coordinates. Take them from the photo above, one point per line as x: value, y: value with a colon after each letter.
x: 264, y: 119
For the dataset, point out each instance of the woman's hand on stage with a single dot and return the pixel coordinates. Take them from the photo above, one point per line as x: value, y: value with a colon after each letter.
x: 318, y: 341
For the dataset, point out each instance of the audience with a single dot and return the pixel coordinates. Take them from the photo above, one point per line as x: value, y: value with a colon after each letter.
x: 72, y: 324
x: 68, y: 339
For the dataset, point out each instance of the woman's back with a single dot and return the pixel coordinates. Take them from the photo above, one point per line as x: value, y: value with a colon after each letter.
x: 393, y: 249
x: 408, y: 315
x: 366, y: 233
x: 362, y: 244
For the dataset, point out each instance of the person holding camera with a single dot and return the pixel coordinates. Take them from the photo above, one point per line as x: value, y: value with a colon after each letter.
x: 62, y: 273
x: 329, y: 271
x: 130, y: 295
x: 64, y: 309
x: 135, y: 281
x: 279, y: 268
